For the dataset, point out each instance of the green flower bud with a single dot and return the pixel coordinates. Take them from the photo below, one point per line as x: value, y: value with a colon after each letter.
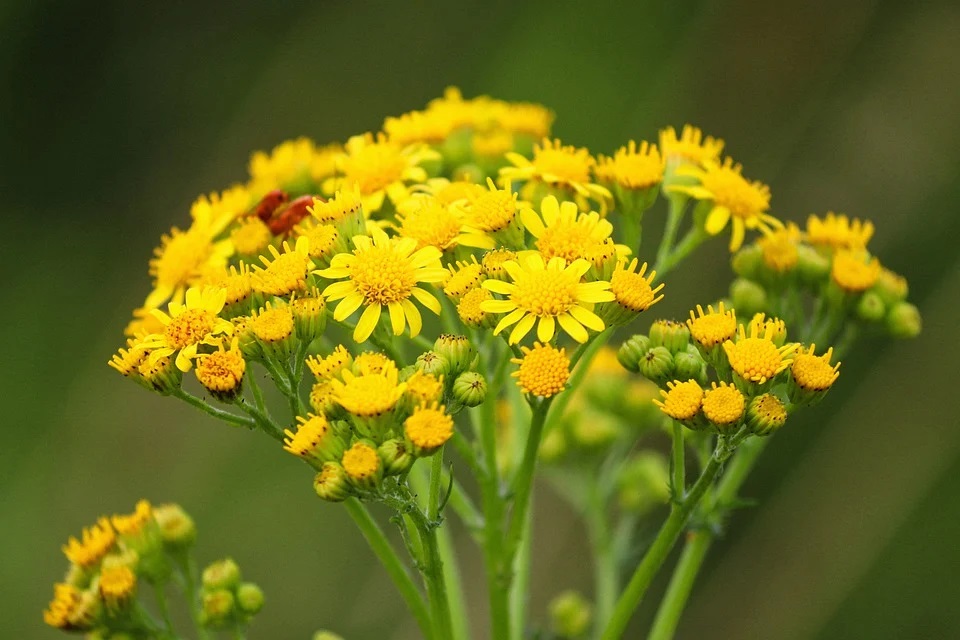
x: 570, y: 614
x: 396, y: 456
x: 643, y: 482
x: 812, y: 266
x: 218, y: 607
x: 891, y: 287
x: 675, y: 336
x: 309, y: 316
x: 470, y: 389
x: 177, y: 529
x: 332, y: 483
x: 689, y: 364
x: 747, y: 296
x: 458, y: 352
x: 904, y: 321
x: 433, y: 363
x: 326, y: 635
x: 632, y: 351
x: 250, y: 598
x: 748, y: 262
x: 222, y: 574
x: 765, y: 414
x: 870, y: 307
x: 657, y: 365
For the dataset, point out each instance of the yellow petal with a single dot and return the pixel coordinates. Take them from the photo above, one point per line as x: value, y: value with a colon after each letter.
x: 413, y: 317
x: 397, y: 321
x: 368, y: 322
x: 523, y: 328
x: 546, y: 328
x: 426, y: 299
x: 717, y: 220
x: 347, y: 306
x: 573, y: 328
x: 587, y: 318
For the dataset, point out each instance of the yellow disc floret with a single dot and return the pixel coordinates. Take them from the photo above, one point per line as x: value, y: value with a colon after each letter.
x: 544, y: 370
x: 428, y: 427
x: 723, y: 404
x: 712, y: 327
x: 470, y: 310
x: 272, y: 324
x: 681, y: 400
x: 854, y: 270
x: 361, y: 461
x: 94, y: 543
x: 756, y: 358
x: 189, y: 325
x: 464, y: 277
x: 779, y: 248
x: 815, y: 373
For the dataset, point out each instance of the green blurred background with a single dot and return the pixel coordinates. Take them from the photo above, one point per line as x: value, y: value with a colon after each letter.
x: 115, y: 115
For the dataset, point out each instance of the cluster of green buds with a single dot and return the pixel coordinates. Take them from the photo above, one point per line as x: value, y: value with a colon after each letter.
x: 371, y: 420
x: 111, y: 564
x: 227, y: 602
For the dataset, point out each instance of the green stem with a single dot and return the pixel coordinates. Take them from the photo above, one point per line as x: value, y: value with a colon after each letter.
x: 265, y: 423
x: 523, y: 481
x: 605, y: 565
x: 678, y: 205
x: 190, y: 577
x: 388, y: 557
x: 164, y: 608
x: 226, y: 416
x: 658, y: 551
x: 678, y: 467
x: 691, y: 241
x: 433, y: 575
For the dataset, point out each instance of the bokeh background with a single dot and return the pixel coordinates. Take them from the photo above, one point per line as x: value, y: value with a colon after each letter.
x: 115, y: 115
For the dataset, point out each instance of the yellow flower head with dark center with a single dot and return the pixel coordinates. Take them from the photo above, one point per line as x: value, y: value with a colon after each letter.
x: 368, y: 395
x: 94, y: 543
x: 756, y: 358
x: 290, y: 163
x: 272, y: 323
x: 383, y: 272
x: 838, y: 231
x: 181, y: 260
x: 311, y: 432
x: 493, y: 262
x: 431, y: 126
x: 712, y: 327
x: 779, y: 248
x: 371, y: 362
x: 117, y: 585
x: 632, y: 166
x: 127, y: 360
x: 428, y: 427
x: 565, y: 232
x: 723, y: 404
x: 222, y: 371
x: 814, y: 373
x: 854, y: 270
x: 322, y: 238
x: 690, y: 148
x: 250, y: 236
x: 547, y: 293
x: 470, y: 307
x: 631, y: 289
x: 344, y: 203
x: 379, y: 167
x: 132, y: 524
x: 286, y: 272
x: 544, y: 370
x: 235, y: 281
x: 330, y: 366
x: 735, y: 200
x: 490, y: 210
x: 189, y: 325
x: 558, y: 165
x: 464, y: 277
x: 424, y: 388
x: 431, y: 224
x: 62, y: 610
x: 360, y: 461
x: 681, y: 400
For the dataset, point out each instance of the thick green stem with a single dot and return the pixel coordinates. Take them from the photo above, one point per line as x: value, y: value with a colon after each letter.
x: 523, y: 481
x: 691, y: 241
x: 433, y: 575
x: 658, y: 551
x: 606, y: 577
x: 678, y: 469
x: 391, y: 562
x: 520, y: 586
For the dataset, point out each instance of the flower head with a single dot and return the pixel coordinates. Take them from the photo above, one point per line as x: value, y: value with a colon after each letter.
x: 181, y: 260
x: 470, y: 308
x: 221, y: 372
x: 362, y: 464
x: 812, y: 372
x: 723, y: 405
x: 189, y: 325
x: 134, y: 523
x: 293, y: 165
x: 93, y: 544
x: 250, y: 236
x: 565, y: 232
x: 544, y: 370
x: 838, y: 231
x: 547, y: 293
x: 286, y: 272
x: 464, y: 278
x: 690, y: 148
x: 428, y: 428
x: 682, y: 400
x: 328, y: 367
x: 632, y: 166
x: 631, y: 289
x: 70, y: 609
x: 430, y: 223
x: 755, y: 357
x: 557, y: 165
x: 117, y: 585
x: 383, y: 272
x: 314, y: 439
x: 778, y: 249
x: 713, y: 327
x: 369, y: 395
x: 854, y: 270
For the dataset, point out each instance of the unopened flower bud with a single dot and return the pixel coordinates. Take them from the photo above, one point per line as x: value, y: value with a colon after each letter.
x: 570, y: 614
x: 332, y: 483
x: 812, y: 266
x: 160, y: 374
x: 657, y: 365
x: 748, y: 262
x: 632, y: 351
x: 870, y: 307
x: 470, y: 389
x: 177, y: 529
x: 747, y: 296
x: 222, y: 574
x: 309, y: 316
x: 218, y: 607
x: 891, y: 286
x: 396, y: 456
x: 675, y: 336
x: 689, y: 364
x: 457, y: 350
x: 765, y: 414
x: 249, y: 598
x: 903, y: 321
x: 433, y: 363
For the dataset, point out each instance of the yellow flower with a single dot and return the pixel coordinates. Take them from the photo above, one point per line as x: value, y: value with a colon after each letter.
x: 428, y: 428
x: 543, y: 371
x: 448, y: 192
x: 756, y: 358
x: 286, y: 273
x: 772, y: 327
x: 723, y: 405
x: 424, y: 388
x: 493, y: 262
x: 345, y: 202
x: 370, y: 363
x: 631, y: 290
x: 273, y: 323
x: 854, y: 270
x: 383, y: 272
x: 690, y: 148
x: 127, y: 360
x: 293, y: 165
x: 491, y: 212
x: 330, y: 366
x: 235, y: 281
x: 250, y: 236
x: 379, y: 168
x: 779, y: 248
x: 814, y: 373
x: 632, y: 167
x: 735, y: 200
x: 527, y: 118
x: 565, y: 232
x: 322, y: 238
x: 430, y: 223
x: 713, y: 327
x: 546, y: 294
x: 93, y: 545
x: 70, y: 609
x: 188, y: 326
x: 491, y: 144
x: 144, y: 322
x: 181, y: 261
x: 314, y: 439
x: 470, y: 310
x: 430, y: 126
x: 682, y: 400
x: 117, y: 585
x: 216, y: 211
x: 221, y: 372
x: 362, y: 464
x: 557, y: 165
x: 371, y: 395
x: 131, y: 525
x: 838, y: 232
x: 464, y: 277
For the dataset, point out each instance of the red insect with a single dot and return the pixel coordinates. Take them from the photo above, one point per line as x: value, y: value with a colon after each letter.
x: 269, y: 204
x: 286, y: 217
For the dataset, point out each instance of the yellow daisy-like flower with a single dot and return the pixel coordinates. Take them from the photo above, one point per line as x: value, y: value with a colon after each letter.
x: 493, y: 262
x: 632, y: 166
x: 430, y: 223
x: 361, y: 463
x: 314, y: 439
x: 464, y: 277
x: 424, y: 388
x: 854, y: 270
x: 547, y: 293
x: 293, y: 165
x: 117, y: 586
x: 250, y: 236
x: 838, y: 231
x: 214, y: 212
x: 527, y: 118
x: 181, y: 260
x: 221, y: 372
x: 565, y: 232
x: 773, y: 327
x: 428, y: 428
x: 491, y: 144
x: 681, y: 400
x: 814, y: 373
x: 779, y: 248
x: 235, y: 281
x: 448, y: 192
x: 735, y: 200
x: 93, y: 545
x: 756, y: 358
x: 369, y: 395
x: 491, y: 212
x: 723, y: 405
x: 127, y: 360
x: 286, y: 272
x: 134, y: 523
x: 383, y: 272
x: 379, y: 168
x: 144, y: 322
x: 470, y: 311
x: 543, y: 371
x: 189, y: 325
x: 631, y: 289
x: 557, y: 165
x: 328, y: 367
x: 71, y: 609
x: 712, y: 327
x: 431, y: 126
x: 323, y: 239
x: 690, y: 148
x: 345, y: 202
x: 371, y: 362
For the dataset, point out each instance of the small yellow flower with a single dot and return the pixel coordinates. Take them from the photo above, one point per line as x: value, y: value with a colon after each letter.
x: 361, y: 463
x: 293, y: 165
x: 756, y: 358
x: 428, y: 428
x: 632, y: 166
x: 250, y: 236
x: 371, y: 395
x: 557, y: 165
x: 682, y: 400
x: 713, y: 327
x: 313, y: 440
x: 181, y: 261
x: 773, y: 327
x: 493, y: 262
x: 235, y: 281
x: 631, y: 289
x: 322, y: 238
x: 133, y: 524
x: 470, y: 308
x: 117, y: 586
x: 143, y: 322
x: 448, y: 192
x: 779, y: 248
x: 527, y: 118
x: 272, y: 324
x: 766, y: 414
x: 547, y: 293
x: 491, y: 212
x: 430, y: 223
x: 564, y: 231
x: 93, y: 545
x: 330, y: 366
x: 371, y: 363
x: 814, y: 373
x: 127, y: 360
x: 491, y: 144
x: 723, y: 405
x: 544, y: 370
x: 430, y: 126
x: 322, y: 397
x: 424, y: 388
x: 464, y: 278
x: 286, y: 272
x: 735, y: 200
x: 383, y: 272
x: 854, y: 270
x: 221, y: 372
x: 690, y: 148
x: 188, y: 326
x: 838, y: 231
x: 345, y: 202
x: 66, y: 610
